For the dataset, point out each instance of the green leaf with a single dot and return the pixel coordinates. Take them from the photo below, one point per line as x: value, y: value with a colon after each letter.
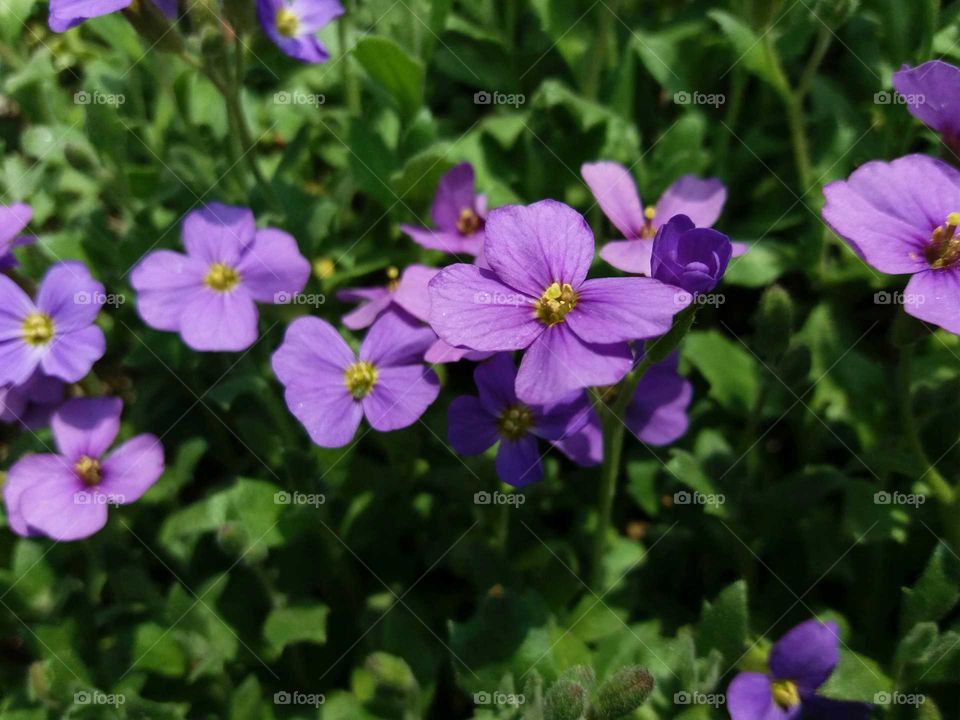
x: 394, y: 70
x: 856, y: 678
x: 155, y: 648
x: 727, y: 365
x: 754, y: 52
x: 936, y: 592
x: 724, y: 623
x: 288, y: 625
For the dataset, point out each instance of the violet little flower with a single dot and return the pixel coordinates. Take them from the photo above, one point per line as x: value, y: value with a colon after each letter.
x: 408, y: 291
x: 902, y: 217
x: 931, y: 92
x: 657, y: 414
x: 293, y: 26
x: 477, y: 423
x: 31, y: 403
x: 800, y: 662
x: 616, y: 194
x: 56, y: 332
x: 458, y: 214
x: 536, y: 297
x: 693, y: 259
x: 65, y: 496
x: 329, y: 389
x: 209, y: 295
x: 13, y: 219
x: 65, y: 14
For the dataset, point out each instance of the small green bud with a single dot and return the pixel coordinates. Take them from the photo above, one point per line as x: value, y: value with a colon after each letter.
x: 773, y: 323
x: 580, y: 674
x: 566, y: 700
x: 533, y: 697
x: 623, y: 693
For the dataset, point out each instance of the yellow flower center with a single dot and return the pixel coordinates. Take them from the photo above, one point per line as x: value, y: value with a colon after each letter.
x: 468, y: 222
x: 648, y: 230
x: 944, y: 248
x: 221, y: 278
x: 515, y: 422
x: 556, y: 301
x: 88, y: 470
x: 785, y: 693
x: 287, y: 22
x: 360, y: 377
x: 37, y: 329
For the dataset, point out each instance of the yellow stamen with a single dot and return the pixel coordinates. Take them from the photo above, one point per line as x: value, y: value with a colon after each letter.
x: 288, y: 24
x: 360, y: 377
x: 468, y: 222
x: 515, y: 422
x: 556, y: 301
x: 944, y: 247
x: 37, y: 329
x: 324, y: 268
x: 393, y: 279
x: 221, y: 278
x: 88, y: 470
x: 785, y: 693
x: 648, y: 230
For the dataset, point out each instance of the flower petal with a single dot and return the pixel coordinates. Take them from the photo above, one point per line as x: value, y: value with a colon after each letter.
x: 70, y: 295
x: 529, y: 247
x: 562, y: 419
x: 518, y: 461
x: 700, y: 200
x: 25, y: 473
x: 750, y: 697
x: 931, y: 93
x: 166, y: 282
x: 400, y: 396
x: 585, y: 446
x: 220, y: 321
x: 632, y: 256
x: 934, y: 296
x: 312, y: 349
x: 65, y: 14
x: 18, y: 361
x: 618, y: 309
x: 495, y: 379
x: 13, y: 219
x: 413, y: 293
x: 71, y: 355
x: 616, y: 194
x: 455, y: 192
x: 807, y: 654
x: 218, y: 233
x: 396, y: 339
x: 657, y: 414
x: 272, y: 266
x: 133, y: 468
x: 326, y: 410
x: 368, y: 311
x: 470, y: 428
x: 62, y: 511
x: 86, y: 426
x: 15, y: 305
x: 451, y: 243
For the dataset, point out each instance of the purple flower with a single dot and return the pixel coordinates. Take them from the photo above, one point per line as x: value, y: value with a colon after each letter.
x: 931, y: 94
x: 442, y: 352
x: 458, y: 214
x: 800, y: 662
x: 657, y: 415
x: 65, y: 496
x: 55, y: 333
x: 293, y: 26
x: 31, y: 403
x: 690, y: 258
x: 209, y: 295
x: 329, y: 389
x: 13, y: 219
x: 477, y: 423
x: 536, y: 296
x: 616, y: 194
x: 902, y: 217
x: 407, y: 291
x: 65, y: 14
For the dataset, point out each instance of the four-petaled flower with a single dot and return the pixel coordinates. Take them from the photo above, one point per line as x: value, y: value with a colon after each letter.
x: 497, y: 415
x: 458, y: 214
x: 65, y: 496
x: 57, y: 332
x: 329, y: 389
x: 800, y: 662
x: 293, y: 26
x: 209, y: 295
x: 536, y: 297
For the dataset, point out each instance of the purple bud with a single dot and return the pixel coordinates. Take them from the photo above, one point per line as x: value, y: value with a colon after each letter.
x: 689, y: 257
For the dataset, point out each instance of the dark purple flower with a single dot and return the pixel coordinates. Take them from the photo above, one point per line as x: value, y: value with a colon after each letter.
x: 536, y: 297
x: 903, y: 217
x: 657, y: 415
x: 329, y: 389
x: 57, y: 332
x: 293, y: 26
x: 13, y: 219
x: 65, y: 14
x: 65, y: 496
x: 407, y: 291
x: 800, y: 662
x: 31, y: 403
x: 931, y: 94
x: 209, y: 295
x: 693, y: 259
x: 616, y: 194
x: 458, y: 214
x: 477, y: 423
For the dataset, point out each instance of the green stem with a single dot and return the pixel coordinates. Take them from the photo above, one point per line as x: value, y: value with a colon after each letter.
x: 594, y: 70
x: 798, y: 138
x: 351, y: 87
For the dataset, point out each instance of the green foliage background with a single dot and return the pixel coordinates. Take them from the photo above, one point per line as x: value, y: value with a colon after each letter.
x: 399, y: 597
